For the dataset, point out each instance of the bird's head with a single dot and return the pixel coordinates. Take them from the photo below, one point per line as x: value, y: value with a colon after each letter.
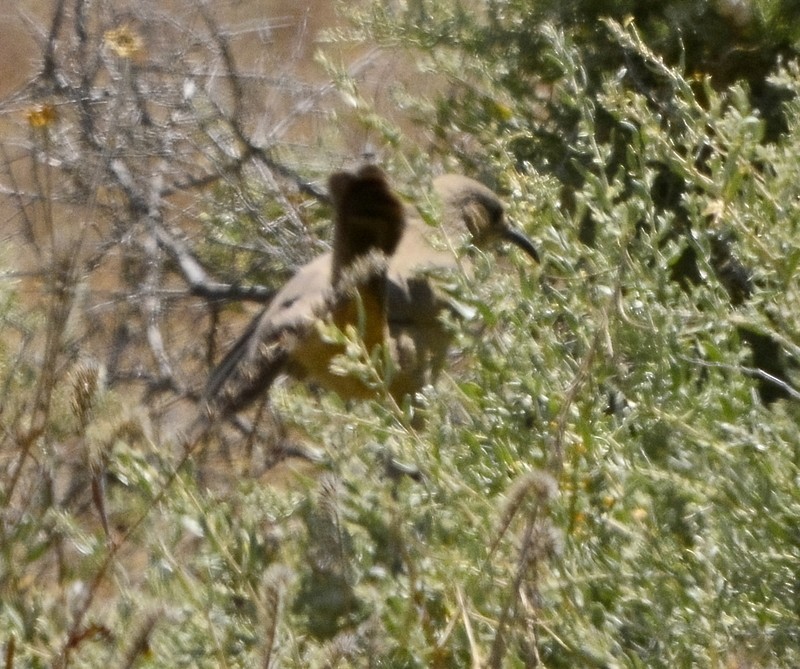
x: 480, y: 210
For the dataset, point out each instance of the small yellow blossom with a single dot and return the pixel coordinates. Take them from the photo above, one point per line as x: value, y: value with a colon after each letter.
x: 41, y: 116
x: 123, y: 41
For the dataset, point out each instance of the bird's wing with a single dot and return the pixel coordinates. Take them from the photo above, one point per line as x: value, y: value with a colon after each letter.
x: 260, y: 353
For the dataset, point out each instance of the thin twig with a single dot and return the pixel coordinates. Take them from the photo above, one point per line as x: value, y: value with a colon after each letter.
x: 748, y: 371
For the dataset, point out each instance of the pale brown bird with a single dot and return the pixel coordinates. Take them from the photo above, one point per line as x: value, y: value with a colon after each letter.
x: 377, y: 276
x: 416, y: 304
x: 344, y: 287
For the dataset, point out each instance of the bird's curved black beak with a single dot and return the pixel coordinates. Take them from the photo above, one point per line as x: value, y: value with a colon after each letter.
x: 518, y: 239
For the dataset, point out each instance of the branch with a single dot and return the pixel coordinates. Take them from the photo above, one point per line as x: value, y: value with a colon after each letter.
x: 752, y: 372
x: 199, y: 282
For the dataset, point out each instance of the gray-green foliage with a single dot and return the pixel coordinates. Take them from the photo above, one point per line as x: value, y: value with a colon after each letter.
x: 601, y: 484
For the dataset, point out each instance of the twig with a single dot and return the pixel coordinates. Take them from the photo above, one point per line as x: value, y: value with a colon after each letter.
x: 748, y: 371
x: 200, y: 284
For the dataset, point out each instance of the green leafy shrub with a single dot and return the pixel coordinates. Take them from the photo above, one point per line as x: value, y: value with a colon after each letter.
x: 601, y: 481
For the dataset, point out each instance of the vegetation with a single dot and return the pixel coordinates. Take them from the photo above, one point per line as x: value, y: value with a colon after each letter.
x: 609, y: 473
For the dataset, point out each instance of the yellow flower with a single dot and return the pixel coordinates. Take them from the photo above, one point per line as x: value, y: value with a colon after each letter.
x: 41, y: 116
x: 123, y: 41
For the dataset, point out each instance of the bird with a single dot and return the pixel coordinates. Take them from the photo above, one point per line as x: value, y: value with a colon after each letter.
x: 416, y: 304
x: 346, y: 286
x: 378, y: 278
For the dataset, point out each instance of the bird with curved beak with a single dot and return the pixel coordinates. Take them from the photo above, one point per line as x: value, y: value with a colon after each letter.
x: 480, y: 210
x: 377, y: 277
x: 419, y: 336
